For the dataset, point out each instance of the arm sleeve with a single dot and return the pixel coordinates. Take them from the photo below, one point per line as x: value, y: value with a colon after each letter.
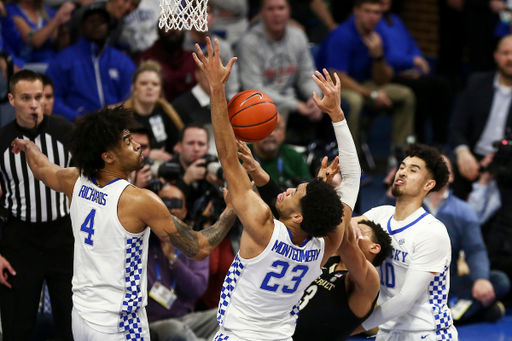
x: 416, y: 282
x: 268, y: 193
x: 349, y: 164
x: 251, y: 73
x: 191, y: 277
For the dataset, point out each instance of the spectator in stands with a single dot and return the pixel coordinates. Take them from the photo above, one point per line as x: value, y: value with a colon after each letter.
x: 91, y: 73
x: 171, y: 315
x: 433, y: 92
x: 178, y: 65
x: 231, y: 22
x: 274, y: 57
x: 280, y: 161
x: 140, y: 27
x: 48, y: 95
x: 194, y: 106
x: 38, y: 26
x: 194, y: 36
x: 481, y: 118
x: 192, y: 149
x: 10, y: 41
x: 154, y: 112
x: 482, y: 288
x: 117, y: 11
x: 358, y: 54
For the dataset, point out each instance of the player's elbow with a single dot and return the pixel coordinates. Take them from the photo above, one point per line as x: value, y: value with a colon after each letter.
x: 203, y: 252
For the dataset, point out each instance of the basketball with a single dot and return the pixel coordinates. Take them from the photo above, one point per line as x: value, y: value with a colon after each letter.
x: 253, y: 115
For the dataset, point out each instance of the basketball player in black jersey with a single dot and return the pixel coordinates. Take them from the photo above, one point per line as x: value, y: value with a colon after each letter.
x: 347, y: 290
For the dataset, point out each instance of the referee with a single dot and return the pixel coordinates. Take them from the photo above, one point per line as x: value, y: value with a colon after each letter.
x: 36, y: 240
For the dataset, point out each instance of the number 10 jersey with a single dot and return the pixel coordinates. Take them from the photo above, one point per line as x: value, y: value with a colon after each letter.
x: 109, y: 270
x: 260, y: 296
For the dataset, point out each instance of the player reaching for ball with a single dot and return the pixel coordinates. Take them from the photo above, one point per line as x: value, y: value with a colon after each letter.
x: 277, y: 258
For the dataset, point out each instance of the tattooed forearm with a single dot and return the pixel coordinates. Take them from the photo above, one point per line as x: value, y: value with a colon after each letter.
x: 185, y: 239
x: 216, y: 233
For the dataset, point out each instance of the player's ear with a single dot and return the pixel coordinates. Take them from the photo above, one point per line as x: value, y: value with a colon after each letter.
x: 108, y: 157
x: 375, y: 249
x: 297, y: 218
x: 429, y: 185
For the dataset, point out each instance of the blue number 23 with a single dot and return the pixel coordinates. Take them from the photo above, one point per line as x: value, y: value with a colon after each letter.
x: 284, y: 267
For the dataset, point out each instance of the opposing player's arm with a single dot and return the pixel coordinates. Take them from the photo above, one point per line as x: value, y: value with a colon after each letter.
x: 149, y: 209
x: 251, y: 210
x: 57, y: 178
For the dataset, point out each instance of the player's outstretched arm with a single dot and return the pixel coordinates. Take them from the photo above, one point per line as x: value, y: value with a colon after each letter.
x: 152, y: 212
x: 57, y: 178
x: 348, y: 159
x: 252, y: 211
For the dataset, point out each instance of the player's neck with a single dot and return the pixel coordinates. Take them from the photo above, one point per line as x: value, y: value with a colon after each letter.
x: 106, y: 175
x: 298, y: 236
x: 405, y: 206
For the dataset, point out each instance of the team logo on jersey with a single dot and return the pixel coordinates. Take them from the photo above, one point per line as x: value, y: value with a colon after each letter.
x: 401, y: 241
x: 113, y: 73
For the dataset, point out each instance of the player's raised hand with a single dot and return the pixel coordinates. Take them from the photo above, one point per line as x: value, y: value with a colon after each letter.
x: 216, y: 73
x: 331, y: 102
x: 327, y: 173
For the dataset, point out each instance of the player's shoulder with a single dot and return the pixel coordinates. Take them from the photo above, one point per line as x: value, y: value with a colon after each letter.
x: 379, y: 212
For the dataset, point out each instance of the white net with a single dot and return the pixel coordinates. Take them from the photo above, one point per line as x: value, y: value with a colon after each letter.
x: 183, y: 15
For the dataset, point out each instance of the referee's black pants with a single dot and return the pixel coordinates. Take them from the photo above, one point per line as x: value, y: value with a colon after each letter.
x: 37, y: 252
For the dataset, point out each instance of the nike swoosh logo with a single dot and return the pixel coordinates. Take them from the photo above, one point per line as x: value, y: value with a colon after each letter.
x: 424, y: 337
x: 253, y: 95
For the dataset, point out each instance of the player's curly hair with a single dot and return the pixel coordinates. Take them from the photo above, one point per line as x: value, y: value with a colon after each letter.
x: 96, y: 133
x: 434, y: 161
x: 380, y: 237
x: 322, y: 210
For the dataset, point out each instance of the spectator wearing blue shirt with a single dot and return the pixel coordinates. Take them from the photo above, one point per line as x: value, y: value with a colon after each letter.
x: 482, y: 287
x: 90, y: 74
x: 433, y: 93
x: 38, y: 26
x: 10, y: 38
x: 358, y: 54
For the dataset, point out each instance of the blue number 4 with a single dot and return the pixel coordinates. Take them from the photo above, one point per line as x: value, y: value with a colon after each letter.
x: 88, y: 227
x: 285, y: 266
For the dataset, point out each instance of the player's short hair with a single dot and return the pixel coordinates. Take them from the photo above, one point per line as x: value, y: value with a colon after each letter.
x: 434, y: 161
x: 23, y: 75
x: 322, y: 210
x: 380, y: 237
x: 359, y: 3
x: 95, y: 133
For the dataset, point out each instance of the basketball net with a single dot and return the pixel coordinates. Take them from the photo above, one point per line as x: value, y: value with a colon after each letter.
x: 183, y: 15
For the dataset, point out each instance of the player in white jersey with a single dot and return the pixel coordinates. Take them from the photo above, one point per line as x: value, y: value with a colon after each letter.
x: 110, y: 219
x: 415, y: 278
x: 277, y: 258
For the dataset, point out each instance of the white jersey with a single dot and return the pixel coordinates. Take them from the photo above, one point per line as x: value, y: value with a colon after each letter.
x: 419, y: 242
x: 109, y: 275
x: 260, y: 296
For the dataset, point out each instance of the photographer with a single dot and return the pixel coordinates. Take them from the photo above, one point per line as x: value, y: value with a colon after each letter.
x: 194, y: 178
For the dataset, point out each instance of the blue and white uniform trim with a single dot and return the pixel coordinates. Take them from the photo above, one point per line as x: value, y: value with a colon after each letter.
x: 438, y: 299
x: 234, y: 273
x: 129, y: 321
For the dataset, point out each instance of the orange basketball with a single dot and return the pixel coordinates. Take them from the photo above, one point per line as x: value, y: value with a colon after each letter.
x: 253, y: 115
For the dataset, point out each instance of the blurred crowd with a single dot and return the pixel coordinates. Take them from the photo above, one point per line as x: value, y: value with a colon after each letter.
x: 95, y: 54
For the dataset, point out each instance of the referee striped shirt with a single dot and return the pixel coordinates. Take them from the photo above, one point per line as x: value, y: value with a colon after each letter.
x: 25, y: 197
